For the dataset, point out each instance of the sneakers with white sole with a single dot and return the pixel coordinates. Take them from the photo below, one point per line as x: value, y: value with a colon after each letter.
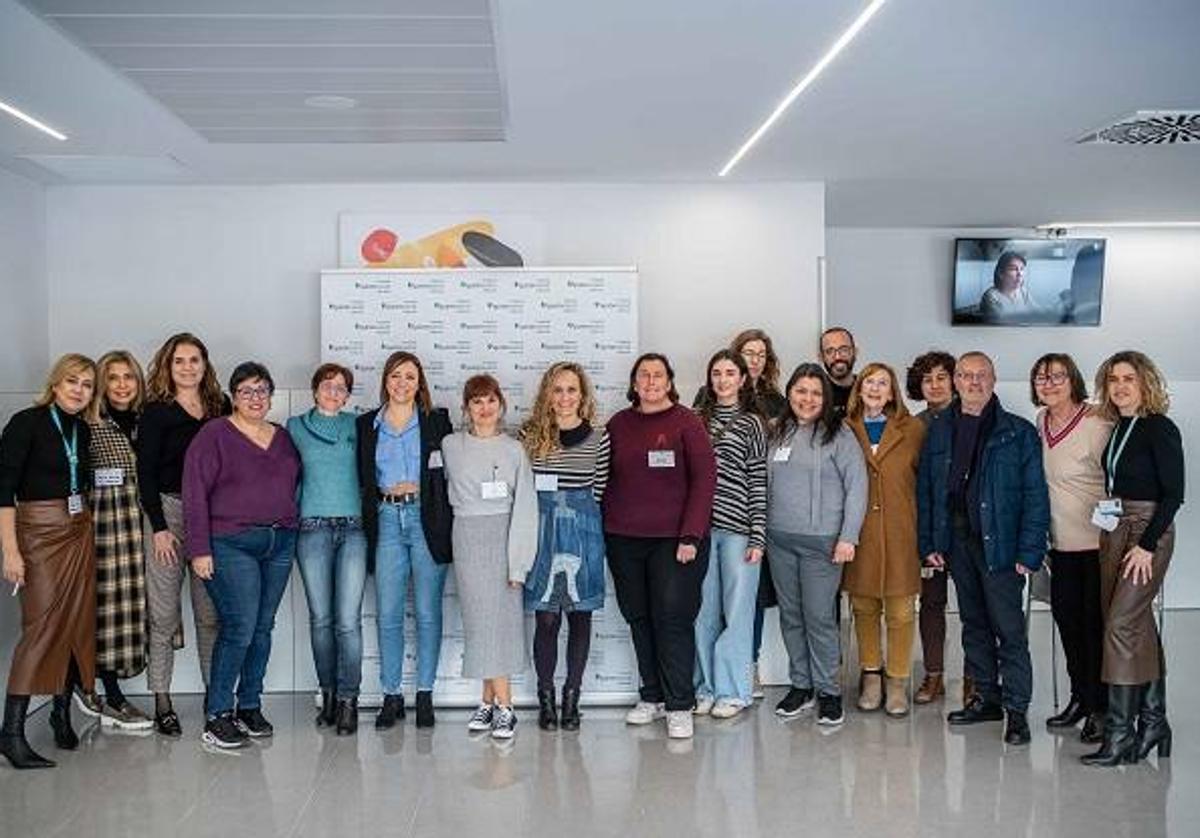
x: 482, y: 719
x: 645, y: 712
x: 727, y: 708
x: 679, y: 724
x: 505, y: 725
x: 829, y: 710
x: 704, y: 705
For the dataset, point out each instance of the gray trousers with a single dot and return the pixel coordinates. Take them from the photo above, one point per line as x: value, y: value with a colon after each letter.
x: 164, y: 587
x: 807, y: 584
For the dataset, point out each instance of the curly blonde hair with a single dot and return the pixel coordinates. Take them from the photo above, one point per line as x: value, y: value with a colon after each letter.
x: 539, y: 432
x: 1150, y: 379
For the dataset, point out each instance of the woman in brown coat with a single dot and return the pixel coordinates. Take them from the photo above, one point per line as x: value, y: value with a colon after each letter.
x: 885, y: 576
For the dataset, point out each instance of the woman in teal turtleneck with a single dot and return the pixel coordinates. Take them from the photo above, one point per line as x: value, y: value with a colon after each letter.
x: 332, y: 547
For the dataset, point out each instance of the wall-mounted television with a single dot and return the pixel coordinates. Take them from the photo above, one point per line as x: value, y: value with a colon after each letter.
x: 1028, y: 282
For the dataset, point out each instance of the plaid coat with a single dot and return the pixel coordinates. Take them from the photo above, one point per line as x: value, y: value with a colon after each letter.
x: 120, y: 556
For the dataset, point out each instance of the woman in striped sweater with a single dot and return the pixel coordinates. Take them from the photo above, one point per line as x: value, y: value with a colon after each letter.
x: 568, y: 574
x: 725, y: 626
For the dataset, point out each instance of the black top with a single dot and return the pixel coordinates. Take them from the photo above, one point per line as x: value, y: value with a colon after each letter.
x: 576, y: 435
x: 1150, y: 468
x: 163, y: 437
x: 125, y: 420
x: 841, y: 397
x: 966, y: 434
x: 33, y: 456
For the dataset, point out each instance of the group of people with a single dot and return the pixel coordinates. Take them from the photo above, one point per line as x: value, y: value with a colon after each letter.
x: 116, y: 489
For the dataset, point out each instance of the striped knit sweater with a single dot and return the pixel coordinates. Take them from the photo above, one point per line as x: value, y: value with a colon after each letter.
x: 574, y: 461
x: 740, y: 501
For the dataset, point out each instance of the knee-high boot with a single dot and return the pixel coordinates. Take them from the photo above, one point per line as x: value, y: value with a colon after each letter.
x: 1120, y: 738
x: 1152, y: 728
x: 12, y: 735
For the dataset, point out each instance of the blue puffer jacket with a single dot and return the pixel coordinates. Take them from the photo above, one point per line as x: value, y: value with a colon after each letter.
x: 1014, y: 504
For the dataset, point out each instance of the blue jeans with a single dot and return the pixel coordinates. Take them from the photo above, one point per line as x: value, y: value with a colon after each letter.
x: 401, y: 552
x: 332, y: 554
x: 725, y: 625
x: 250, y: 572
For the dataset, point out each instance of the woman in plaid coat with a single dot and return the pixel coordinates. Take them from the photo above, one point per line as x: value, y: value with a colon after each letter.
x: 120, y: 557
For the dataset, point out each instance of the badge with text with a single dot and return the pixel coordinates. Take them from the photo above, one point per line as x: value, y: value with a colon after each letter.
x: 494, y: 489
x: 662, y: 459
x: 1108, y: 523
x: 110, y: 477
x: 75, y: 504
x: 546, y: 482
x: 435, y: 459
x: 782, y: 454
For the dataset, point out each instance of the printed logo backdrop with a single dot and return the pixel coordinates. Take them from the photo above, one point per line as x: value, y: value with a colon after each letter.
x: 512, y: 323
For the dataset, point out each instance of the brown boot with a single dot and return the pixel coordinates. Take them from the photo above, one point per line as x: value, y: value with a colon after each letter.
x: 896, y: 704
x: 931, y: 689
x: 870, y: 690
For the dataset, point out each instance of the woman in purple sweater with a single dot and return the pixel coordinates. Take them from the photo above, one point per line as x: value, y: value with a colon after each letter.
x: 239, y: 507
x: 656, y: 492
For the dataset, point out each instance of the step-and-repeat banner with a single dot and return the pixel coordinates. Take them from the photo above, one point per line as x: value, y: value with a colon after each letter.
x: 512, y: 323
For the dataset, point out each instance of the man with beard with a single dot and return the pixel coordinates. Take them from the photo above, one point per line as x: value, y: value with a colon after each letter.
x: 838, y: 355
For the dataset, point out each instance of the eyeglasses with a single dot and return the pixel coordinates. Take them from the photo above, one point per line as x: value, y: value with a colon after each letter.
x: 253, y: 394
x: 972, y: 376
x: 333, y: 389
x: 1052, y: 378
x: 838, y: 351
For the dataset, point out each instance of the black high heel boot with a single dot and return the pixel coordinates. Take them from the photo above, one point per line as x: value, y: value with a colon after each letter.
x: 60, y: 723
x: 1120, y: 739
x: 347, y: 716
x: 425, y: 717
x: 12, y: 736
x: 1152, y: 728
x: 547, y: 712
x: 569, y: 716
x: 327, y: 717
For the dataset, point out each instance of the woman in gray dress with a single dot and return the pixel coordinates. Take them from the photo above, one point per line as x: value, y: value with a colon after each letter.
x: 495, y: 542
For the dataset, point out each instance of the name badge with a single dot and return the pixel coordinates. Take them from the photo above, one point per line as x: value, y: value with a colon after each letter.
x: 546, y: 482
x: 782, y: 454
x: 435, y: 459
x: 1108, y: 523
x: 494, y: 489
x: 110, y: 477
x: 75, y: 504
x: 661, y: 459
x: 1109, y: 506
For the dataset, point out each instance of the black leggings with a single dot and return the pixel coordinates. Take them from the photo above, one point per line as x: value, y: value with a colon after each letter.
x: 545, y: 647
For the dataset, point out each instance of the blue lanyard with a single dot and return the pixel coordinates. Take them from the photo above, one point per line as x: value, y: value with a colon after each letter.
x: 1113, y: 457
x: 72, y: 448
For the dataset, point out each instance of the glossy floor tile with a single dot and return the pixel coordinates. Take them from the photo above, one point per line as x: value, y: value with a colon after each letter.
x: 749, y: 776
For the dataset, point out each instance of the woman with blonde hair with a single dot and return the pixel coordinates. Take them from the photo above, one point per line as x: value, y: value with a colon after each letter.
x: 47, y: 539
x: 120, y: 548
x: 563, y: 445
x: 885, y: 576
x: 1144, y: 475
x: 182, y: 394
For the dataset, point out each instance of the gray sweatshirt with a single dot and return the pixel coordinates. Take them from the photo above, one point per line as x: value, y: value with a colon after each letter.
x: 472, y: 461
x: 818, y: 489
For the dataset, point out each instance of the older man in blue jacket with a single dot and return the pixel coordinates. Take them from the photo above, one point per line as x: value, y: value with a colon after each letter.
x: 983, y: 511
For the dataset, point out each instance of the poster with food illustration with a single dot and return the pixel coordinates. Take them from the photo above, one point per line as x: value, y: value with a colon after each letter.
x: 384, y: 240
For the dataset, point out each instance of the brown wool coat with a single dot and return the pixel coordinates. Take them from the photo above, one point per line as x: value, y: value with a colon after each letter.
x: 887, y: 562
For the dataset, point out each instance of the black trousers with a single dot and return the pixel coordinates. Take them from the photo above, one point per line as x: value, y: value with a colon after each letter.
x: 660, y: 598
x: 991, y: 607
x: 1075, y: 604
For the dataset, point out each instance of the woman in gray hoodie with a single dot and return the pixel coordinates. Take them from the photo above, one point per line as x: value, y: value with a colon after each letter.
x: 816, y: 503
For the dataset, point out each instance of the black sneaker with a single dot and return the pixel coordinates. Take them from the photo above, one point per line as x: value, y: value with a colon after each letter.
x: 794, y: 703
x: 253, y: 723
x: 829, y: 710
x: 505, y: 726
x: 168, y: 724
x: 482, y: 719
x: 977, y: 709
x: 223, y: 732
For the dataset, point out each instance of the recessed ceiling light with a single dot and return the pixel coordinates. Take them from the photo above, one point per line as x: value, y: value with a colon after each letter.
x: 329, y: 102
x: 29, y: 120
x: 838, y: 45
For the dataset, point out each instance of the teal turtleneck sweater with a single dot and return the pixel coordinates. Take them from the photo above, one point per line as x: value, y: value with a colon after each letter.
x: 329, y: 482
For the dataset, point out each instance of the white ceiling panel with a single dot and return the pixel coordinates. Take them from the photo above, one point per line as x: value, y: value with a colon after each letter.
x: 248, y: 8
x: 253, y: 58
x: 316, y: 80
x: 354, y: 135
x: 294, y: 119
x: 197, y: 100
x: 287, y: 31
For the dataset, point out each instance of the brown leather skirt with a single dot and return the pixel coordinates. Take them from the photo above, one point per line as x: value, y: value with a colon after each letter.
x: 58, y: 601
x: 1132, y: 647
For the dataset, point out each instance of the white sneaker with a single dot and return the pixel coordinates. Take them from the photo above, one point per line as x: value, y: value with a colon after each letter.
x: 704, y: 705
x: 644, y: 712
x: 505, y: 726
x: 727, y: 708
x: 482, y: 719
x: 679, y: 724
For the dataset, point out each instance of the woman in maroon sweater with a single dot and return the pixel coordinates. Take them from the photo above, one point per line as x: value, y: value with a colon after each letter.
x: 656, y: 492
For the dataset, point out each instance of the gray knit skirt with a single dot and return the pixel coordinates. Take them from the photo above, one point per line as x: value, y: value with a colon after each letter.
x: 492, y: 613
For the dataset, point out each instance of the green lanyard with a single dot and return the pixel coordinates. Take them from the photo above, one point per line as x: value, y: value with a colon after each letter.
x: 1113, y: 457
x: 72, y: 448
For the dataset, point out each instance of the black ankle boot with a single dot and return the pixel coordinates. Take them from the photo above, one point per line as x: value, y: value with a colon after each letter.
x: 1152, y: 728
x: 327, y: 717
x: 569, y: 717
x: 1120, y: 739
x: 547, y: 712
x: 60, y: 723
x: 425, y: 716
x: 347, y: 716
x: 392, y: 709
x: 12, y: 736
x: 1093, y: 729
x: 1070, y: 716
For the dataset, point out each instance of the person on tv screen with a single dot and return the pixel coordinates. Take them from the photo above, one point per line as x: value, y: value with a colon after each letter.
x: 1008, y: 299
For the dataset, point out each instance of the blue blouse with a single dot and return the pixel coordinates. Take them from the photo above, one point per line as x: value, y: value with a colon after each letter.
x: 397, y: 453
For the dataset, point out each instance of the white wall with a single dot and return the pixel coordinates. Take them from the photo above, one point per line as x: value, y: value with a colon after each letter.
x: 893, y: 288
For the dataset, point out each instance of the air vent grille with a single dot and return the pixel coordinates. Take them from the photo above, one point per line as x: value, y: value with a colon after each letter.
x: 1149, y: 128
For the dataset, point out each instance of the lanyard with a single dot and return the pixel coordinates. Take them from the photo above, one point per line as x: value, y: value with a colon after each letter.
x: 1114, y: 456
x: 72, y: 448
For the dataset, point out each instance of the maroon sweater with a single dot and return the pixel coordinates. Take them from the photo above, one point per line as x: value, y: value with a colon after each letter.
x: 650, y: 502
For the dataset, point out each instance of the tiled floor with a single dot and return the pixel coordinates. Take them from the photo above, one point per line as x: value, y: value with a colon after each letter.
x: 754, y: 775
